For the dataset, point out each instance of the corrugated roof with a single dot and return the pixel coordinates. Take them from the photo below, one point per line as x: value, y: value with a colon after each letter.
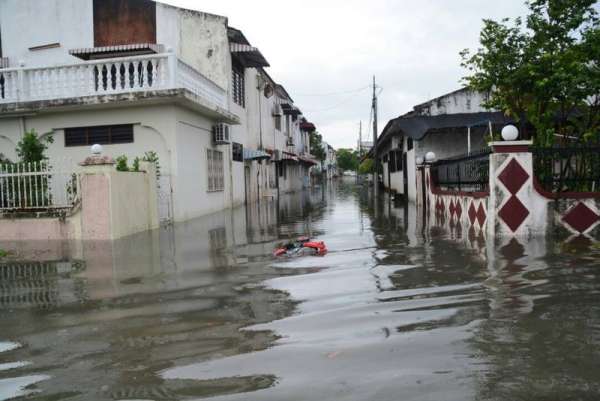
x: 86, y: 52
x: 250, y: 56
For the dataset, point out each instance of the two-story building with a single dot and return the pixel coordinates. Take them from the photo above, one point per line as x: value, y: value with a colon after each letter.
x: 140, y: 76
x: 450, y: 125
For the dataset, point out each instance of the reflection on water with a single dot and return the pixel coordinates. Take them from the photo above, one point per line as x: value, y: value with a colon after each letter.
x: 400, y: 308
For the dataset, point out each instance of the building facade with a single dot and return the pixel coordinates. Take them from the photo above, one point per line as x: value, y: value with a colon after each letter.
x: 448, y: 126
x: 139, y: 76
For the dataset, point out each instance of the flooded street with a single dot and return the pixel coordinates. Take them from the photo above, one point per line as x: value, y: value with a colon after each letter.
x: 397, y: 310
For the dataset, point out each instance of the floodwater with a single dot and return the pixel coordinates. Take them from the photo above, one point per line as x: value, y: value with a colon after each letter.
x: 399, y: 309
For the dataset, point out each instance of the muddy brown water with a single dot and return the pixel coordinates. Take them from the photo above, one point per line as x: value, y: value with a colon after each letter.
x: 398, y: 310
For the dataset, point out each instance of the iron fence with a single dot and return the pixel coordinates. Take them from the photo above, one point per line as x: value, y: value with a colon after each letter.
x: 466, y: 173
x: 37, y: 186
x: 567, y: 169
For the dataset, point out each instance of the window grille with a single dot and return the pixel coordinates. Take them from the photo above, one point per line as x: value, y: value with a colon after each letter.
x: 238, y: 87
x: 103, y: 135
x: 216, y: 176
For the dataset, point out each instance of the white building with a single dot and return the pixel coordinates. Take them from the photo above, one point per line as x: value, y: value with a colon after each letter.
x: 451, y: 125
x: 329, y: 165
x: 139, y: 76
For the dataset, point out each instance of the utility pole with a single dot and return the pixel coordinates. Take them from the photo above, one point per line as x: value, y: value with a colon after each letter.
x: 359, y: 148
x: 360, y: 139
x: 375, y: 156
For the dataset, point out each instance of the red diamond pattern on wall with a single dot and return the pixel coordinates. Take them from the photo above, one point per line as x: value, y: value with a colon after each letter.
x: 513, y: 213
x: 451, y: 208
x: 472, y: 213
x: 458, y: 209
x: 581, y: 218
x: 513, y: 176
x: 481, y: 215
x: 442, y: 207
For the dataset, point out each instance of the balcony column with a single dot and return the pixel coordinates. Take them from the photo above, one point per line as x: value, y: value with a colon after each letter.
x: 172, y: 69
x: 20, y: 92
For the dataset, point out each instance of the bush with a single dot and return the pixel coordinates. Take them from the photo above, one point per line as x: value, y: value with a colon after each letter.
x: 31, y: 148
x: 122, y: 163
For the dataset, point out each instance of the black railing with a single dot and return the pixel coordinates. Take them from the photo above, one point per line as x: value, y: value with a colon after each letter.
x: 466, y: 173
x: 568, y: 169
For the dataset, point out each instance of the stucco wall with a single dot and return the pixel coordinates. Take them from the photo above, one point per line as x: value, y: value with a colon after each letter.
x: 397, y: 182
x: 199, y: 39
x: 461, y: 101
x: 29, y: 23
x: 39, y: 229
x: 153, y: 131
x: 190, y: 180
x: 133, y: 203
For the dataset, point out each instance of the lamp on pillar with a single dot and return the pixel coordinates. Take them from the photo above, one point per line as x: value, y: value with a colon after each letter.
x: 510, y: 133
x: 96, y: 149
x: 430, y: 157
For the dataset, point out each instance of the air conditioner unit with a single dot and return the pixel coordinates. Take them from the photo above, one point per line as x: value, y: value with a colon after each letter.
x: 277, y: 110
x: 221, y: 134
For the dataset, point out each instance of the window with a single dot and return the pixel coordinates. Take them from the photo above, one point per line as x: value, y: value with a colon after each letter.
x: 237, y: 150
x: 399, y: 166
x: 238, y: 85
x: 102, y: 135
x: 216, y: 176
x: 409, y: 144
x: 277, y: 122
x: 392, y: 163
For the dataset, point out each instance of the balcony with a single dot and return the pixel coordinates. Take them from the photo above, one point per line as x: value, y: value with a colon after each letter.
x: 143, y: 75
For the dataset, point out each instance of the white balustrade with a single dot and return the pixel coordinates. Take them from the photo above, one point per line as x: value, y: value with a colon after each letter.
x: 107, y: 76
x: 189, y: 78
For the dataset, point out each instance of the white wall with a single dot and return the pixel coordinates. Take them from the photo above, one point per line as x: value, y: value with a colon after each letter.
x: 461, y: 101
x: 153, y: 131
x: 190, y: 180
x: 199, y: 39
x: 29, y: 23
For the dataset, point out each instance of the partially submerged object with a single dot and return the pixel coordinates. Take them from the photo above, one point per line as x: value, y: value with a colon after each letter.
x: 300, y: 247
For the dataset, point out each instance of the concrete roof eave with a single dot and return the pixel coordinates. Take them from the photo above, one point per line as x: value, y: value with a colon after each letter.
x: 182, y: 97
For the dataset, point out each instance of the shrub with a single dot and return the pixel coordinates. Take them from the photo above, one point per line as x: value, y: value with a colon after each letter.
x: 31, y: 148
x: 122, y: 163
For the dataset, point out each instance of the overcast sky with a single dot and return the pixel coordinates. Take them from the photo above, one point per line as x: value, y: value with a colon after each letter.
x: 325, y: 51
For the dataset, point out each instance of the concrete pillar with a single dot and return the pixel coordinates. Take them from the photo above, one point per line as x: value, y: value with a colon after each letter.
x: 95, y: 198
x: 515, y: 207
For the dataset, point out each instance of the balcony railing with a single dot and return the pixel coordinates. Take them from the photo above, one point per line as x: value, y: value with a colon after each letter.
x: 104, y: 77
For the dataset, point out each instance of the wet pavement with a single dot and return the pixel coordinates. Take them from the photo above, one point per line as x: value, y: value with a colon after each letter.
x: 399, y: 309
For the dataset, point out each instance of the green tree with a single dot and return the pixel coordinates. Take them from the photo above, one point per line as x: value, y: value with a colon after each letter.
x: 347, y: 160
x: 31, y: 148
x: 316, y: 146
x: 366, y: 167
x: 545, y: 71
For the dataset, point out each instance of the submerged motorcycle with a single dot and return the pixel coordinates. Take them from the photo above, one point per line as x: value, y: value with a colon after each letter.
x: 300, y: 247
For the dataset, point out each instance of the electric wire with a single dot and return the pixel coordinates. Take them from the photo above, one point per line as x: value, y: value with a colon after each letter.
x: 332, y: 93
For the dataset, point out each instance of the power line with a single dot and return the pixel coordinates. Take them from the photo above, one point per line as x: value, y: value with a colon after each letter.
x: 332, y: 93
x: 335, y: 106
